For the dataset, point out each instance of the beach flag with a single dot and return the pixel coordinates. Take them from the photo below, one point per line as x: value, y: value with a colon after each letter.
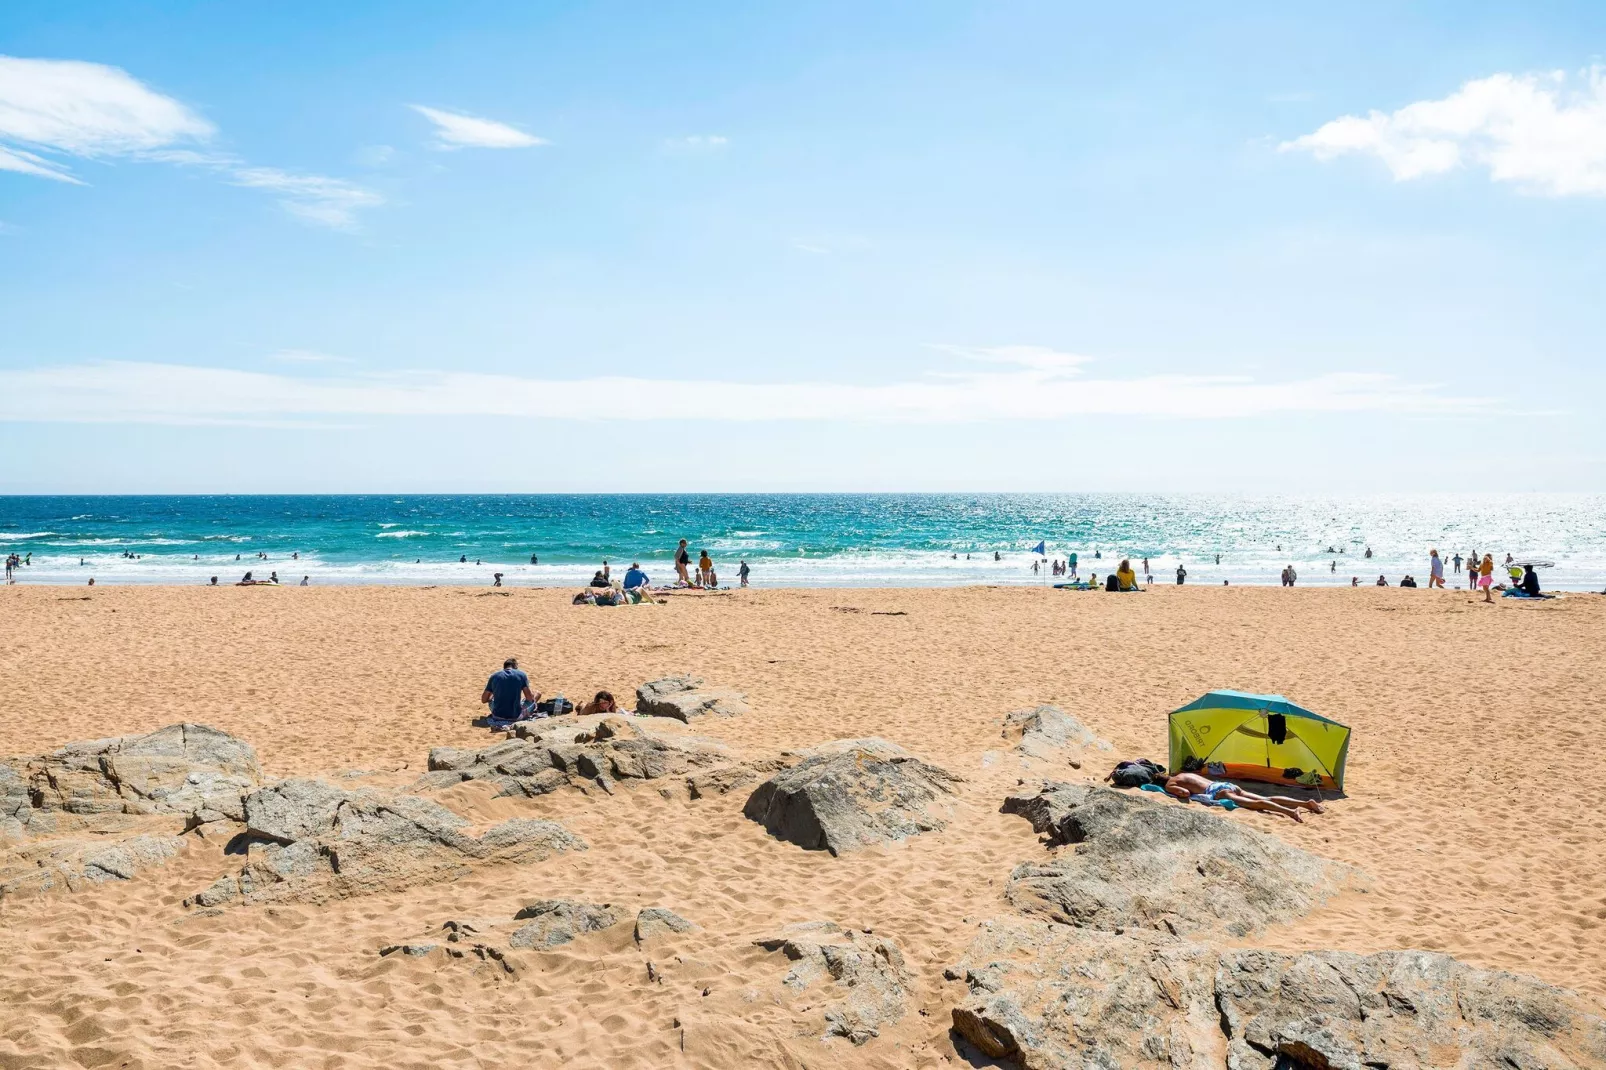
x: 1041, y: 548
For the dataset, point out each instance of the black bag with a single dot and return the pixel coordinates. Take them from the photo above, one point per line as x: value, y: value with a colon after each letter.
x: 1136, y: 774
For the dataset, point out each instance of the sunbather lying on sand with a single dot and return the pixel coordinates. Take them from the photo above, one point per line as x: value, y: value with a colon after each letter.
x: 1186, y: 785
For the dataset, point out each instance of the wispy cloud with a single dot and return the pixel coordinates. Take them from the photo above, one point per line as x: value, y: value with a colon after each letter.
x: 697, y: 141
x: 51, y: 109
x: 1539, y: 132
x: 319, y: 199
x: 1017, y: 383
x: 307, y: 356
x: 454, y: 130
x: 87, y: 110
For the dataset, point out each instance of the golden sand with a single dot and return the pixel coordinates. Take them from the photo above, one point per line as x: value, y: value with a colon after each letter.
x: 1472, y: 801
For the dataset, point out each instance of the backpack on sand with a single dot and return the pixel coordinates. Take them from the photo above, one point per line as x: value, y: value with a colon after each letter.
x: 1136, y: 774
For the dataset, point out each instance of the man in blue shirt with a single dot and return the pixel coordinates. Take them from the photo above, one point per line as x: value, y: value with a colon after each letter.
x: 504, y: 689
x: 634, y: 577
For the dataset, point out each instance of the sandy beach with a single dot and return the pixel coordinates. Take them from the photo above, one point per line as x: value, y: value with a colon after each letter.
x: 1469, y: 806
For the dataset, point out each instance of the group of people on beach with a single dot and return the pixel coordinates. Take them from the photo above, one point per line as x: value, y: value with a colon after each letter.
x: 511, y: 700
x: 636, y: 586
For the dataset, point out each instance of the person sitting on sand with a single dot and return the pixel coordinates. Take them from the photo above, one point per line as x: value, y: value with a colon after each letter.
x: 1125, y: 578
x: 1186, y: 785
x: 603, y: 703
x: 503, y: 691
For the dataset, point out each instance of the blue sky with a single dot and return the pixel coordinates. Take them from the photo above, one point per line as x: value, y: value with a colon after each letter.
x: 979, y: 246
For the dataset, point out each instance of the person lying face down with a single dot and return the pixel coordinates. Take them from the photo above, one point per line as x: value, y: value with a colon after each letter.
x: 1185, y: 786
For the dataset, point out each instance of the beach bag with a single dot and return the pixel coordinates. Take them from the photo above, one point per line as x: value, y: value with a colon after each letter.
x: 1136, y: 774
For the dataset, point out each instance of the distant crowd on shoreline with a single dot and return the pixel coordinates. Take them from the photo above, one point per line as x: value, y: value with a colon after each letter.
x: 1512, y: 578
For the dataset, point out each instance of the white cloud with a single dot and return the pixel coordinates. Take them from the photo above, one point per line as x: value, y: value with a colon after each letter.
x: 698, y: 141
x: 53, y: 108
x: 87, y: 110
x: 1022, y: 383
x: 307, y: 356
x: 1537, y: 132
x: 454, y: 130
x: 29, y: 164
x: 329, y: 201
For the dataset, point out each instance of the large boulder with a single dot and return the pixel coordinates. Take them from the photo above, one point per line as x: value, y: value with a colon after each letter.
x: 108, y: 809
x: 311, y: 841
x: 1047, y: 996
x: 862, y: 976
x: 1043, y: 731
x: 686, y: 697
x: 544, y: 755
x: 190, y: 770
x: 74, y: 863
x: 1157, y: 864
x: 852, y: 794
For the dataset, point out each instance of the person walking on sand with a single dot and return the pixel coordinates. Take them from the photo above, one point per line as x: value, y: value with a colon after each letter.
x: 682, y: 563
x: 1435, y: 570
x: 1486, y: 577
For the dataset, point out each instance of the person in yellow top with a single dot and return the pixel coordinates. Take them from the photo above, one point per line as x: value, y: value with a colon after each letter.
x: 1125, y: 577
x: 1486, y: 576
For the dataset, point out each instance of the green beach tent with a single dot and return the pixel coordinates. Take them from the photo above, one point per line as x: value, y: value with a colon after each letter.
x: 1259, y: 737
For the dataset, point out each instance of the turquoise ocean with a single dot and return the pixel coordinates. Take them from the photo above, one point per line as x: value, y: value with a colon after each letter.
x: 790, y: 539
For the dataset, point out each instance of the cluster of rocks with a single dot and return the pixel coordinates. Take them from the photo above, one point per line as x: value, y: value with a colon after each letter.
x: 1116, y: 970
x: 543, y: 756
x: 687, y: 697
x: 1144, y: 864
x: 309, y: 841
x: 853, y: 793
x: 864, y: 973
x: 1046, y: 995
x: 107, y: 809
x: 540, y: 926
